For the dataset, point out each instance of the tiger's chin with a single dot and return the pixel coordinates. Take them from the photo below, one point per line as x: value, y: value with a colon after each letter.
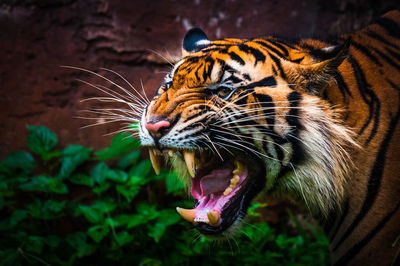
x: 222, y: 188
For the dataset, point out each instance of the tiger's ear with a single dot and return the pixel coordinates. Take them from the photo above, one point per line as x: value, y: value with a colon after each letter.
x: 319, y: 66
x: 194, y: 40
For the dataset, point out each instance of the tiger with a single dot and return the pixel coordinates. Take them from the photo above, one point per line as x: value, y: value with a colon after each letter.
x: 309, y: 120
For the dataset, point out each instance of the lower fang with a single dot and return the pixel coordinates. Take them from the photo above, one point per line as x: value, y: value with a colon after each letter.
x: 227, y: 191
x: 213, y: 217
x: 187, y: 214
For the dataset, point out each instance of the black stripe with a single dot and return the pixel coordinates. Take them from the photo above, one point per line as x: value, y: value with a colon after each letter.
x: 269, y: 47
x: 258, y: 55
x: 292, y: 119
x: 382, y: 39
x: 235, y: 57
x: 280, y: 46
x: 373, y: 101
x: 278, y: 65
x: 203, y: 109
x: 234, y: 79
x: 265, y: 82
x: 209, y: 66
x: 196, y: 72
x: 246, y: 76
x: 393, y: 53
x: 366, y: 52
x: 390, y: 26
x: 242, y: 98
x: 386, y: 58
x: 344, y: 89
x: 279, y: 152
x: 268, y: 108
x: 375, y: 179
x: 359, y: 246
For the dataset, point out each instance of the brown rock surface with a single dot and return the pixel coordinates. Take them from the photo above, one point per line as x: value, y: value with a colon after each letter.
x: 37, y: 37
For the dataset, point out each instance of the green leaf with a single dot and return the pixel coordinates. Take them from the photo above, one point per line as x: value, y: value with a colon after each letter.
x: 9, y: 256
x: 41, y: 141
x: 119, y: 220
x: 136, y: 220
x: 17, y: 216
x: 105, y: 205
x: 93, y: 215
x: 52, y: 241
x: 56, y: 185
x: 54, y: 206
x: 129, y: 159
x: 156, y: 231
x: 81, y: 179
x: 72, y: 157
x: 100, y: 189
x: 165, y: 218
x: 150, y: 262
x: 168, y: 217
x: 117, y: 175
x: 98, y: 232
x: 148, y: 211
x: 34, y: 244
x: 37, y: 183
x: 128, y: 191
x: 142, y: 169
x: 120, y: 144
x: 99, y: 172
x: 19, y: 160
x: 78, y: 242
x: 123, y: 238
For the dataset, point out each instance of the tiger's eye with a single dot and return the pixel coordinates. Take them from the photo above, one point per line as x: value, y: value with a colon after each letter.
x: 224, y: 92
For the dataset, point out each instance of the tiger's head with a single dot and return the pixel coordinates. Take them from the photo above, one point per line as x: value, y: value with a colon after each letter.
x: 236, y: 117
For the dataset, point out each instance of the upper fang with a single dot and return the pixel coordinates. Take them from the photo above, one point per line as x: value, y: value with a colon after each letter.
x: 189, y: 160
x: 155, y: 161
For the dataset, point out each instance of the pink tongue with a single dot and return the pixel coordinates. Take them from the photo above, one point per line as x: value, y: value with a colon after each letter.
x: 217, y: 181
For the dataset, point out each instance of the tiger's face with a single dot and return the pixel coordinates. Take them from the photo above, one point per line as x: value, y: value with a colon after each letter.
x: 235, y: 118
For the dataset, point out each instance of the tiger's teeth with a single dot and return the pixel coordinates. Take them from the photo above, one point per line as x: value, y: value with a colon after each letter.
x: 155, y: 161
x: 234, y: 180
x: 187, y: 214
x: 239, y: 168
x: 227, y: 191
x: 189, y: 160
x: 213, y: 217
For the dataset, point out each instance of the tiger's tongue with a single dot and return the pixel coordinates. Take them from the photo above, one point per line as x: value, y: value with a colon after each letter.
x: 216, y: 181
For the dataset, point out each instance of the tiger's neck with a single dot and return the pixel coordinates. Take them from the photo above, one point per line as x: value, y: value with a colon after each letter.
x: 368, y: 88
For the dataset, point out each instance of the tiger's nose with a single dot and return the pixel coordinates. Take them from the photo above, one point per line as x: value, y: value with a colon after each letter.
x: 157, y: 128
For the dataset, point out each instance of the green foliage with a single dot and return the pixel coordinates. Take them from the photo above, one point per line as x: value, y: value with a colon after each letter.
x: 73, y: 207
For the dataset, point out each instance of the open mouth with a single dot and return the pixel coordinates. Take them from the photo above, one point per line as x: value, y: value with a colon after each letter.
x: 223, y: 189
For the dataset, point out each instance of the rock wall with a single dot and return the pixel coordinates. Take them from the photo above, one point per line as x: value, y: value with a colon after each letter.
x: 132, y: 38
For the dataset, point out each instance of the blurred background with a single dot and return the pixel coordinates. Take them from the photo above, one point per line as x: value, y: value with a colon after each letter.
x: 36, y: 37
x: 133, y: 38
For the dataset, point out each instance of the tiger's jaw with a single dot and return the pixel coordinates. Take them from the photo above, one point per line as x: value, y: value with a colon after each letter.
x: 222, y: 189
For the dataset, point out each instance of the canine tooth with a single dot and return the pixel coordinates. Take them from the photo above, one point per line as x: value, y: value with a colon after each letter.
x: 239, y: 168
x: 213, y: 217
x: 235, y: 179
x: 155, y: 161
x: 227, y: 191
x: 187, y: 214
x: 189, y: 160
